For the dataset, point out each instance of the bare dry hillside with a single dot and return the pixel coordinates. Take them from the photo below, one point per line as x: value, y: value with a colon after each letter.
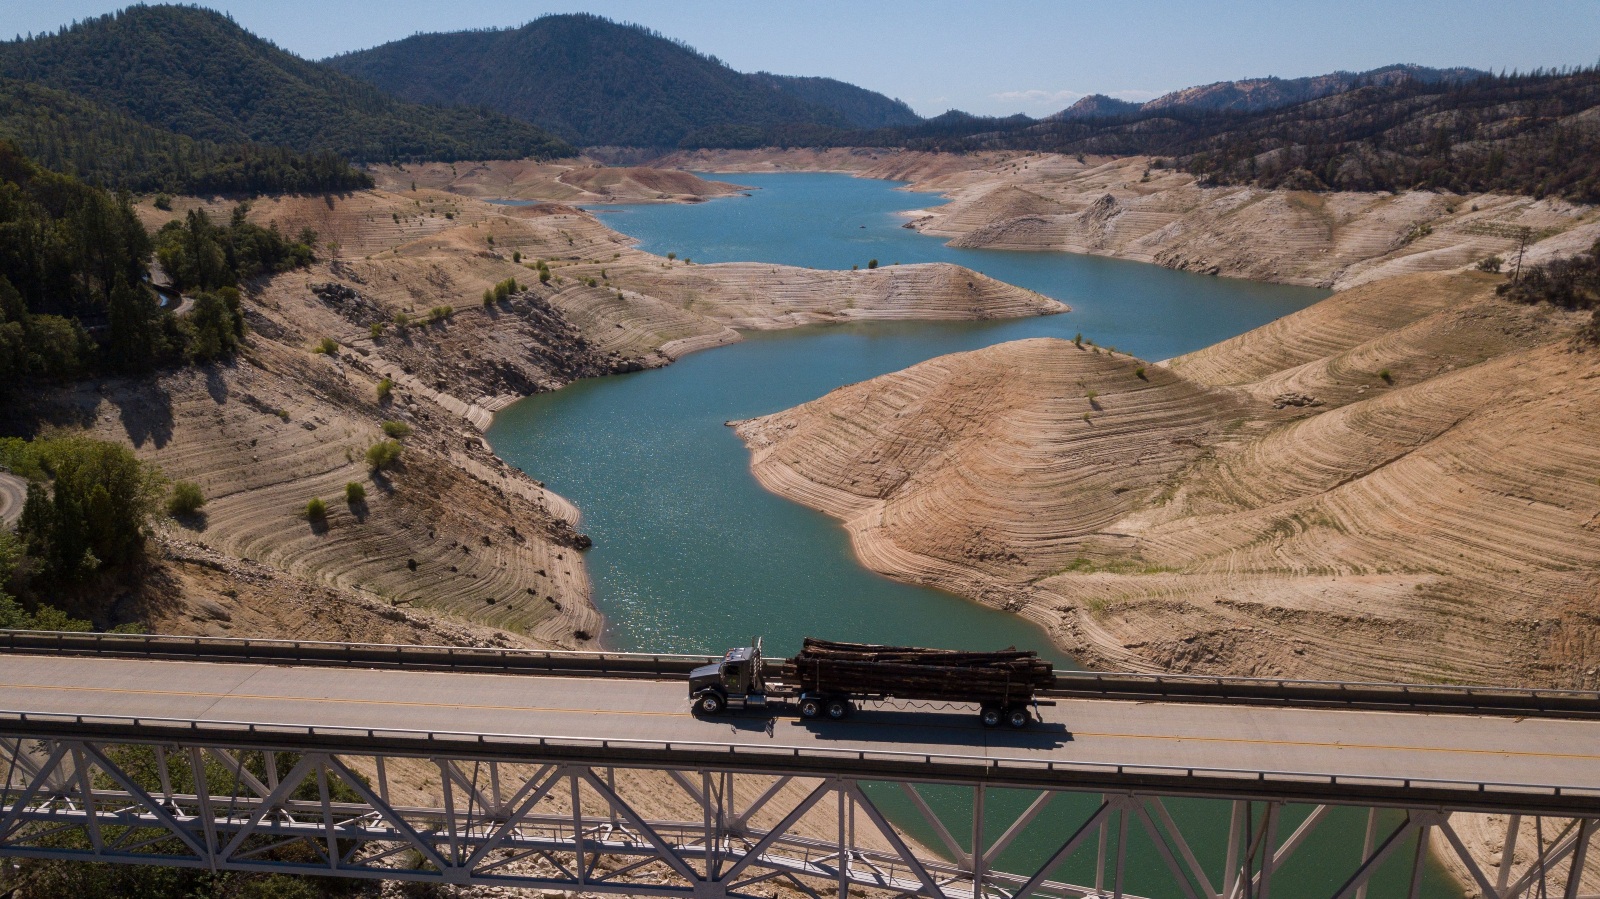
x: 1400, y: 482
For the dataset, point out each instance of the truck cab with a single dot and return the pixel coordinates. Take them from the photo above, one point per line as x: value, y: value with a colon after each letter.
x: 737, y: 681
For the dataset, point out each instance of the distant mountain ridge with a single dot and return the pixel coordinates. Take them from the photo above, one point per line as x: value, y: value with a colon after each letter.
x: 1257, y: 94
x: 1260, y: 94
x: 596, y: 82
x: 1095, y: 106
x: 197, y: 73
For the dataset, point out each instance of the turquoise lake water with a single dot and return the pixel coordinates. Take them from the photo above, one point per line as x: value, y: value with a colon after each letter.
x: 690, y: 555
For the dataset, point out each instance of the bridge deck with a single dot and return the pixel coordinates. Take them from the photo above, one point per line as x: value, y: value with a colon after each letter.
x: 1490, y: 749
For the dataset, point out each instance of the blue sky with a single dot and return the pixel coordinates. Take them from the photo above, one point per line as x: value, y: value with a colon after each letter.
x: 995, y: 57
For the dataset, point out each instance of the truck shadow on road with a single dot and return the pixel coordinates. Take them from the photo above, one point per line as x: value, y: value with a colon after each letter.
x: 943, y: 728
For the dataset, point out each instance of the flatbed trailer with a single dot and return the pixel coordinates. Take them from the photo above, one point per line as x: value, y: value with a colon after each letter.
x: 829, y: 678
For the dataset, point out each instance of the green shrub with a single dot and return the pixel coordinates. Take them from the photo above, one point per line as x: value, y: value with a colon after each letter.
x: 516, y: 256
x: 354, y: 493
x: 401, y: 319
x: 396, y: 429
x: 1139, y: 373
x: 1490, y: 264
x: 316, y: 509
x: 327, y: 346
x: 872, y: 263
x: 93, y: 512
x: 375, y: 329
x: 671, y: 256
x: 1387, y: 376
x: 501, y: 290
x: 385, y: 388
x: 382, y: 454
x: 1077, y: 340
x: 186, y: 498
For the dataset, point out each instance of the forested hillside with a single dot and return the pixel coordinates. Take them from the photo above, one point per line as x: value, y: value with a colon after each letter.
x: 105, y: 147
x: 74, y: 278
x: 1536, y: 134
x: 596, y: 82
x: 197, y: 73
x: 860, y: 107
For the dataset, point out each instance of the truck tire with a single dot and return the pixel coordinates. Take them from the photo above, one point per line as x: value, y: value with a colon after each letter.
x: 810, y: 707
x: 1018, y: 717
x: 710, y: 703
x: 990, y: 716
x: 838, y: 708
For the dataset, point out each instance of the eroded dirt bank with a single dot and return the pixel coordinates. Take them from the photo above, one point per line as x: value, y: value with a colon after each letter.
x: 1132, y: 208
x: 452, y: 529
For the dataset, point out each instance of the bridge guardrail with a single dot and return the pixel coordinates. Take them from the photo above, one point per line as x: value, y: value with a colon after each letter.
x: 351, y: 655
x: 1466, y: 795
x: 1376, y: 695
x: 1068, y: 684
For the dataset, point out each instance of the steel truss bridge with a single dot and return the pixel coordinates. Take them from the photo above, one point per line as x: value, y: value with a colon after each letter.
x: 133, y: 751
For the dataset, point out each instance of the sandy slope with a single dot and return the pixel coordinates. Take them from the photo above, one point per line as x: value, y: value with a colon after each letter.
x: 1188, y: 524
x: 1130, y: 209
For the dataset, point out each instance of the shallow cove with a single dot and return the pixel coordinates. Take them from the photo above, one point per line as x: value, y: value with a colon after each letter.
x: 691, y: 555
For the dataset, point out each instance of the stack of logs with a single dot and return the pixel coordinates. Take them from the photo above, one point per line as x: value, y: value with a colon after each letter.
x: 908, y: 672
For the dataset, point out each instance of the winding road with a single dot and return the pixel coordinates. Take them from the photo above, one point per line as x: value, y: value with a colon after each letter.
x: 13, y: 492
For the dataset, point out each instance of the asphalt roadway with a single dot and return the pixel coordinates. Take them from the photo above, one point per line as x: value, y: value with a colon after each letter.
x: 1470, y: 748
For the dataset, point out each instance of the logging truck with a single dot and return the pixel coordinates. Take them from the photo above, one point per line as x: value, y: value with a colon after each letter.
x: 827, y: 679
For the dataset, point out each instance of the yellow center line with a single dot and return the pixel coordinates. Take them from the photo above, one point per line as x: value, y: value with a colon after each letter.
x: 1309, y: 744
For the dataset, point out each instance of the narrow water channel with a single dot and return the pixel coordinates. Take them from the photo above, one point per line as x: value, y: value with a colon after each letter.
x: 691, y: 555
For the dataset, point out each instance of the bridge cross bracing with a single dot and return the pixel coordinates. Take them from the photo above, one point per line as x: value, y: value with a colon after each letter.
x: 648, y: 801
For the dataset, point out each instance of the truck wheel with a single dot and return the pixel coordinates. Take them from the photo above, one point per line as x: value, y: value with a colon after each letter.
x: 810, y: 708
x: 710, y: 703
x: 990, y: 716
x: 1018, y: 717
x: 838, y: 708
